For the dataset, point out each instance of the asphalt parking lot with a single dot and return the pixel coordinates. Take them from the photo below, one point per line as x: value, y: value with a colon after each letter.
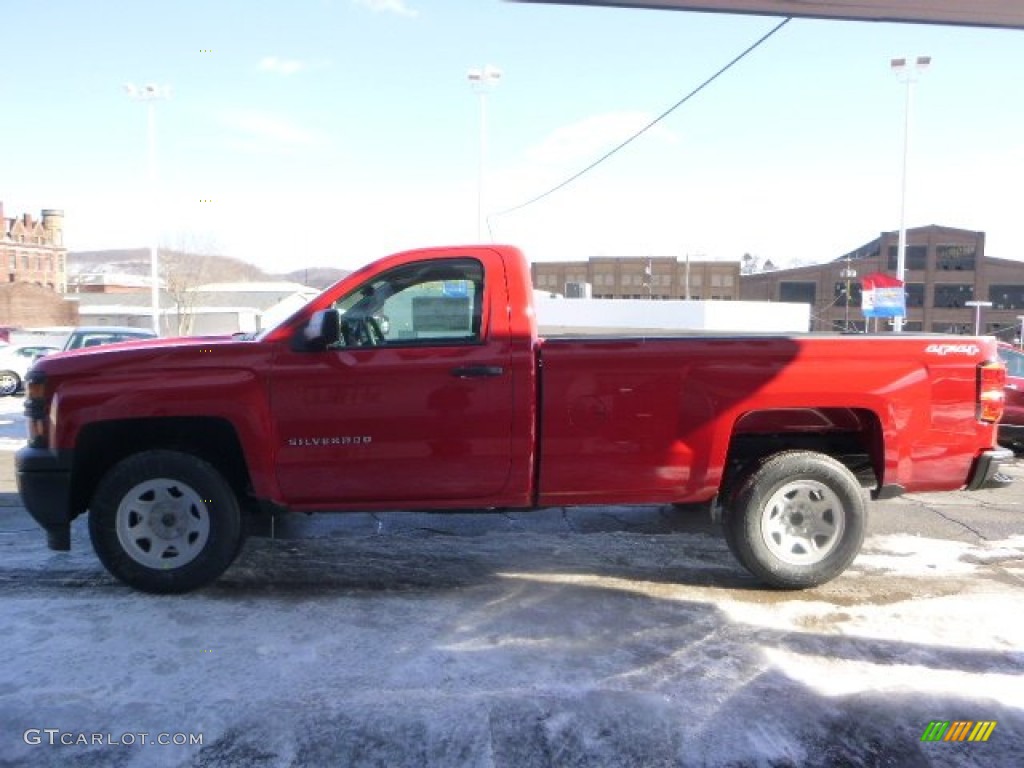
x: 568, y: 637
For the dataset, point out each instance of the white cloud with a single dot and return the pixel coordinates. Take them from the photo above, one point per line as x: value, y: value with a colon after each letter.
x: 589, y: 138
x: 281, y: 66
x: 262, y: 131
x: 566, y: 151
x: 397, y: 7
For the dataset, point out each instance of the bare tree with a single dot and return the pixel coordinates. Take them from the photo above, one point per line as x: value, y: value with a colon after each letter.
x: 183, y: 269
x: 192, y: 263
x: 751, y: 265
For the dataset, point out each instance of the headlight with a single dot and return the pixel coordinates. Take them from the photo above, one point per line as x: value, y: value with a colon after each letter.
x: 36, y: 422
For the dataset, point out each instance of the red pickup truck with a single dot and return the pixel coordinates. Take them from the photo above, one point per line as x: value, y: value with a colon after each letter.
x: 420, y: 382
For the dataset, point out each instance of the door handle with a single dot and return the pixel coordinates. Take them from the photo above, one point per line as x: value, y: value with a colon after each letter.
x: 477, y: 371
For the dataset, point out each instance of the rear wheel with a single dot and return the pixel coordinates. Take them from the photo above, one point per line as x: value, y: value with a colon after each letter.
x: 797, y: 519
x: 10, y: 383
x: 165, y: 522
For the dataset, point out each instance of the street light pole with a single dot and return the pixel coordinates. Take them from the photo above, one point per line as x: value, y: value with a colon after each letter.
x: 150, y: 94
x: 482, y: 81
x: 977, y: 313
x: 907, y: 75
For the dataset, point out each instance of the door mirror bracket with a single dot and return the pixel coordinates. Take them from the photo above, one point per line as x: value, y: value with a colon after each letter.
x: 321, y: 331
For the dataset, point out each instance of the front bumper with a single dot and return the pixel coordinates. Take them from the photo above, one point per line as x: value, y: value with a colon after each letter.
x: 44, y: 482
x: 986, y: 472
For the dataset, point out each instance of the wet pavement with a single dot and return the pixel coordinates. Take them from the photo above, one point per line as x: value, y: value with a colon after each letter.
x: 567, y: 637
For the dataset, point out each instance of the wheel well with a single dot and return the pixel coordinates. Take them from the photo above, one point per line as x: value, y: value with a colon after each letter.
x: 851, y: 436
x: 100, y: 446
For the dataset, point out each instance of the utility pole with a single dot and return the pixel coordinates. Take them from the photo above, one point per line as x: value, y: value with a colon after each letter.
x: 847, y: 274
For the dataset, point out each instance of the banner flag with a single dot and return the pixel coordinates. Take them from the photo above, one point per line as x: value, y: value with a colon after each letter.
x: 883, y: 296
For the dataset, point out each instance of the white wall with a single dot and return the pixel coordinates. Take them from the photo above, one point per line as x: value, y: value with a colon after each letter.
x: 597, y: 315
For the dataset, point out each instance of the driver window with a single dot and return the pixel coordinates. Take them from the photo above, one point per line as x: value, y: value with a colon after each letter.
x: 429, y: 302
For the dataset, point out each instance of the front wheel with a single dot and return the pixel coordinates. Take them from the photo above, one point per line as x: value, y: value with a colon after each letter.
x: 797, y: 519
x: 165, y: 522
x: 10, y: 383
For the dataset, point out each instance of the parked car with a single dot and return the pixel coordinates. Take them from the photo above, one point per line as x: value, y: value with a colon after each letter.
x: 1011, y: 427
x: 15, y: 360
x: 99, y: 335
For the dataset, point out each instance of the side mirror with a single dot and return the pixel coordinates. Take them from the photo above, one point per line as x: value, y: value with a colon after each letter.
x: 322, y: 330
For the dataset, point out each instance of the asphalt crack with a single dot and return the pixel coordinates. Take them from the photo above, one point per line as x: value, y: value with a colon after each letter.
x: 937, y: 511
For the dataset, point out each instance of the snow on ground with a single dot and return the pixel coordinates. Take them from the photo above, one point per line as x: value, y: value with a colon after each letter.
x: 558, y: 638
x: 536, y: 648
x: 12, y: 423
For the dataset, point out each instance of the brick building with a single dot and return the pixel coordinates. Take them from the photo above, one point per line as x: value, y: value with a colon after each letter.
x: 34, y: 262
x: 23, y: 305
x: 944, y: 269
x: 637, y: 277
x: 32, y: 251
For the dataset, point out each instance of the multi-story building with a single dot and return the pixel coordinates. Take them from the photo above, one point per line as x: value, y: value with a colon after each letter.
x: 944, y: 269
x: 32, y: 251
x: 636, y: 277
x: 34, y: 263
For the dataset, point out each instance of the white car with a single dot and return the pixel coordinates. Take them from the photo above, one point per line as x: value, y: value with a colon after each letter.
x: 15, y: 360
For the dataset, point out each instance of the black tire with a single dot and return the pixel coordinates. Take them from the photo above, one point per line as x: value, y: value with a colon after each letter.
x: 165, y: 522
x: 796, y: 520
x: 10, y: 383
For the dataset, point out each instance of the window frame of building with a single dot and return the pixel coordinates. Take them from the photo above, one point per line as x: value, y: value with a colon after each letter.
x: 914, y: 293
x: 798, y: 296
x: 1006, y: 295
x: 916, y: 258
x: 856, y: 293
x: 952, y: 295
x: 956, y: 257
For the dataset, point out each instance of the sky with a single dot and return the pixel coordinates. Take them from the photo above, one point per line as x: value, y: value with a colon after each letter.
x: 332, y: 132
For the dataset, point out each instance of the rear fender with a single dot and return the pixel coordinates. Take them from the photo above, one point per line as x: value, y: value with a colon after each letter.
x: 853, y: 436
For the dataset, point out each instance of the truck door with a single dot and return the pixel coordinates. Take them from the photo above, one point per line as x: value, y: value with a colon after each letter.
x: 414, y: 401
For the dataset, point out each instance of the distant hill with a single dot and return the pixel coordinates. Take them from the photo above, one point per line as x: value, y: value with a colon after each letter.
x: 135, y: 261
x: 316, y: 277
x: 215, y: 268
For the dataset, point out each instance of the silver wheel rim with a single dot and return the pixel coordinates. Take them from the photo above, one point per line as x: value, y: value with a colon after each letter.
x: 8, y: 384
x: 163, y: 523
x: 803, y: 522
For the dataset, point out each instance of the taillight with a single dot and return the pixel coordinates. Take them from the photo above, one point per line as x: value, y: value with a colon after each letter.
x: 991, y: 394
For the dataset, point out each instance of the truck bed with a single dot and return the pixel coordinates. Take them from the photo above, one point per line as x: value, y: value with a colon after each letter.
x: 654, y: 415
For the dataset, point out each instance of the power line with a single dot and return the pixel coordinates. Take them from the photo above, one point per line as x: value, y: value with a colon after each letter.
x: 750, y: 49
